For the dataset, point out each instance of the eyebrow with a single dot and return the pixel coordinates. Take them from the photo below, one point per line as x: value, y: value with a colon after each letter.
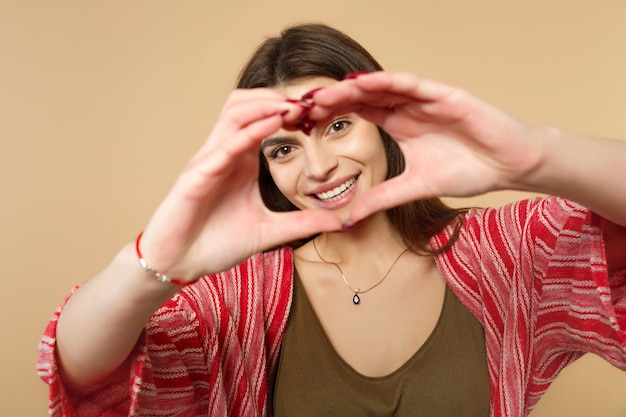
x: 275, y: 141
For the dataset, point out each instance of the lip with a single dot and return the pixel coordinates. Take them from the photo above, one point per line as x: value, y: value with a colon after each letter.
x: 345, y: 198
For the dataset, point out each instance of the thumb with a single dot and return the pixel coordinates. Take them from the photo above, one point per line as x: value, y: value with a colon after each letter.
x: 298, y: 224
x: 388, y: 194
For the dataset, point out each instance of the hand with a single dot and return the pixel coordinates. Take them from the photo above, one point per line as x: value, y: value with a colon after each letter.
x: 453, y: 143
x: 214, y: 217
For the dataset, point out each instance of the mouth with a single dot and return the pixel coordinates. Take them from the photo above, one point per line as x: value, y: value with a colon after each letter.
x: 337, y: 192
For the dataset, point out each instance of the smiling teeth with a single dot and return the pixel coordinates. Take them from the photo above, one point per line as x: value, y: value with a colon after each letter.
x: 336, y: 192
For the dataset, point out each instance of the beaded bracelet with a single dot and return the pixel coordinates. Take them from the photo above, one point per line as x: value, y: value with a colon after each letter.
x: 159, y: 276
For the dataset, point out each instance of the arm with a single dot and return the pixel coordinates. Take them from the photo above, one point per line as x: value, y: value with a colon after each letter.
x: 588, y: 170
x: 212, y: 219
x: 457, y: 145
x: 101, y: 322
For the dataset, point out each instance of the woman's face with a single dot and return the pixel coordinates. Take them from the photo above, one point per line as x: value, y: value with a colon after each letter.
x: 342, y: 157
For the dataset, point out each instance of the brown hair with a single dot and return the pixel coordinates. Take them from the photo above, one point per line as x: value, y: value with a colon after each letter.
x: 313, y: 50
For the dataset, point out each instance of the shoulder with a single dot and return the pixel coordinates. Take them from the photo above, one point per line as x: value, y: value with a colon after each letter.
x: 539, y: 215
x: 524, y: 210
x: 526, y: 235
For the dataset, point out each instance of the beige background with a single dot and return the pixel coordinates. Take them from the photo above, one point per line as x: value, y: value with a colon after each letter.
x: 101, y: 103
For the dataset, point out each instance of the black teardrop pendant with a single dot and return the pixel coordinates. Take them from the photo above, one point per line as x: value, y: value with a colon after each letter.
x: 356, y: 299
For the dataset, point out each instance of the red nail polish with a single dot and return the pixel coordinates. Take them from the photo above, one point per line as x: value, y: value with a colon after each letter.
x: 279, y: 113
x: 310, y: 94
x: 307, y: 105
x: 354, y: 75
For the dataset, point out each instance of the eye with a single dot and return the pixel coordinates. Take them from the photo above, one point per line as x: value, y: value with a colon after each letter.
x: 281, y: 152
x: 338, y: 126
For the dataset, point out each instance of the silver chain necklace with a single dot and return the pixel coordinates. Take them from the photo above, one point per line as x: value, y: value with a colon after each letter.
x: 356, y: 299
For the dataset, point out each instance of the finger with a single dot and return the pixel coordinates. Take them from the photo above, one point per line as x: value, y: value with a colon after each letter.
x: 352, y: 100
x: 245, y: 95
x: 247, y: 105
x: 385, y: 117
x: 244, y: 125
x: 226, y: 145
x: 241, y: 113
x: 378, y: 89
x: 298, y: 224
x: 404, y: 84
x: 391, y: 193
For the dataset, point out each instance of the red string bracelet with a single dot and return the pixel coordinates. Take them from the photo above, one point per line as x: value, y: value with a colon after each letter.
x: 159, y: 276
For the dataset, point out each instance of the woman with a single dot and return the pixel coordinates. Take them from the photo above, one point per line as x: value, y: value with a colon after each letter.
x: 359, y: 293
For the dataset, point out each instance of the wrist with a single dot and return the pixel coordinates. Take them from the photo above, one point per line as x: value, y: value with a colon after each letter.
x: 138, y: 284
x: 538, y: 176
x: 159, y: 276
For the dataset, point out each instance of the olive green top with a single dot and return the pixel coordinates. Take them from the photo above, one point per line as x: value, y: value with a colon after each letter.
x: 446, y: 377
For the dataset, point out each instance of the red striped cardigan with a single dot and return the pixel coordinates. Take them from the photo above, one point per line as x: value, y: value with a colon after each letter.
x: 533, y: 273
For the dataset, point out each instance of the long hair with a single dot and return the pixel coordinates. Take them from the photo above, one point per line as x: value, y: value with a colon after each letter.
x: 316, y: 50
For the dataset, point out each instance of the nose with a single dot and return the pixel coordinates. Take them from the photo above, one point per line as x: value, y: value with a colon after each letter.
x: 320, y: 161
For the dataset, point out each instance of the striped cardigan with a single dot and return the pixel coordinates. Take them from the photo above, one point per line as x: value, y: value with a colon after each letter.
x: 532, y: 272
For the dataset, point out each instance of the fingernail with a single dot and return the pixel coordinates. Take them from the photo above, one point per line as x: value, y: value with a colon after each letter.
x: 348, y: 225
x: 304, y: 104
x: 310, y: 94
x: 354, y: 75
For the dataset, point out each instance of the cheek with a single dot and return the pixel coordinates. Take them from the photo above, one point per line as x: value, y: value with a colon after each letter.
x: 277, y: 176
x: 285, y: 179
x: 372, y: 153
x: 378, y: 164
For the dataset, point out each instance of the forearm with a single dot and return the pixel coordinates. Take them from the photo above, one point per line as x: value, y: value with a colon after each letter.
x: 590, y: 171
x: 103, y: 319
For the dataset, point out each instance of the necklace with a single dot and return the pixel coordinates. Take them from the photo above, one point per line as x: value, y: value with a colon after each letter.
x: 356, y: 299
